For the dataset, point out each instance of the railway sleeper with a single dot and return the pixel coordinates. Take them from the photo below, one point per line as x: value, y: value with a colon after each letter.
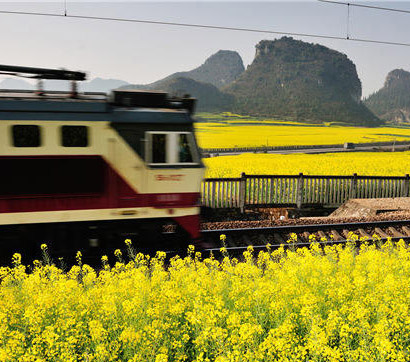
x: 363, y: 233
x: 279, y: 239
x: 395, y: 233
x: 247, y: 240
x: 381, y: 233
x: 230, y: 243
x: 336, y: 235
x: 263, y: 239
x: 406, y: 230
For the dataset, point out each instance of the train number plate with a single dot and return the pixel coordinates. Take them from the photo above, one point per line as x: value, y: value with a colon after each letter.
x: 169, y: 177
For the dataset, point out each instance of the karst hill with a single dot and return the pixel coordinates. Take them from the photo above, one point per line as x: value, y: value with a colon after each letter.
x: 392, y: 101
x: 203, y: 82
x: 209, y: 98
x: 294, y: 79
x: 288, y: 79
x: 219, y: 69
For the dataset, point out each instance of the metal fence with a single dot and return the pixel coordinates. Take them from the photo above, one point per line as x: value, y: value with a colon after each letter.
x: 298, y: 190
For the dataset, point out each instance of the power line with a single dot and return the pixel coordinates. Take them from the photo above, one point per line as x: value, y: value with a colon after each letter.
x: 365, y: 6
x: 204, y: 26
x: 153, y: 22
x: 347, y: 22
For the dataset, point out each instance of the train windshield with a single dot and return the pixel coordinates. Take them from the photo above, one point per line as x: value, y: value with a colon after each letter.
x: 165, y: 148
x: 184, y: 149
x: 159, y: 148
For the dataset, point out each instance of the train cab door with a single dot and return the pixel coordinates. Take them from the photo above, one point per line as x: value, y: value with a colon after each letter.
x: 129, y: 161
x: 112, y: 180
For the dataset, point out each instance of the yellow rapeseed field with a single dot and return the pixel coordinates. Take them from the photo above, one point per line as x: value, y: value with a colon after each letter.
x: 336, y: 304
x: 238, y: 131
x: 362, y: 163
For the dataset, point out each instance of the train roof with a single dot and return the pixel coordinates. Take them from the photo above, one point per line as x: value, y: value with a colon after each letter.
x: 122, y: 106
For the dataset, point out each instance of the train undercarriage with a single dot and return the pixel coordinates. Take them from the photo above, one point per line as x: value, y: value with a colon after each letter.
x: 92, y: 239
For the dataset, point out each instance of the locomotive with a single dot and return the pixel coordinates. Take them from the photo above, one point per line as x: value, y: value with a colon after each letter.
x: 84, y: 171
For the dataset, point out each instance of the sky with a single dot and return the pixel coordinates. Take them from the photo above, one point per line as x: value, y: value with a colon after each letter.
x: 143, y: 53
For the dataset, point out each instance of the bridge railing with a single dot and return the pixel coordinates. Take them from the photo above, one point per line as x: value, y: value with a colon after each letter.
x: 298, y: 190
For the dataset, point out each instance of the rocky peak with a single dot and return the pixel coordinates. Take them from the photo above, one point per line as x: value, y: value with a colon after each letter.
x: 397, y: 77
x: 219, y: 69
x: 392, y: 101
x: 226, y: 58
x: 292, y: 78
x: 265, y: 47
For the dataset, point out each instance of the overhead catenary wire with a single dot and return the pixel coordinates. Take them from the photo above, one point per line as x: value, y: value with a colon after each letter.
x: 364, y: 6
x: 205, y: 26
x: 347, y: 22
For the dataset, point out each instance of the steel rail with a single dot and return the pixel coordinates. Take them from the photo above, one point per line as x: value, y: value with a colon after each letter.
x: 297, y: 245
x: 282, y: 228
x: 213, y: 236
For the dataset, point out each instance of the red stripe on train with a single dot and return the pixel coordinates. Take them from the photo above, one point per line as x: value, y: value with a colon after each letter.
x: 58, y: 183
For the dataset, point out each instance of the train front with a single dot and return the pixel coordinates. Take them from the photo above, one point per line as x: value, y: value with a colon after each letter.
x: 86, y: 171
x: 161, y: 162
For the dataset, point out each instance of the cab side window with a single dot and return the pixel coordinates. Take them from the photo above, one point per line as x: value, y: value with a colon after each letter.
x: 158, y: 144
x: 184, y: 149
x: 74, y: 136
x: 26, y: 136
x: 173, y: 148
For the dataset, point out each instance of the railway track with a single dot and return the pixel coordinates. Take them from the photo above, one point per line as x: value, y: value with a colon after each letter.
x: 240, y: 238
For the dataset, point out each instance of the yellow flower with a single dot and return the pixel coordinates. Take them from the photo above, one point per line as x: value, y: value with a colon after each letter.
x: 78, y: 256
x: 160, y: 255
x: 333, y: 303
x: 161, y: 358
x: 16, y: 259
x: 36, y: 263
x: 292, y: 239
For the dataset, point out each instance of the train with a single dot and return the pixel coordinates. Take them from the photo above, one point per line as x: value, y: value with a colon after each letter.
x: 84, y: 171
